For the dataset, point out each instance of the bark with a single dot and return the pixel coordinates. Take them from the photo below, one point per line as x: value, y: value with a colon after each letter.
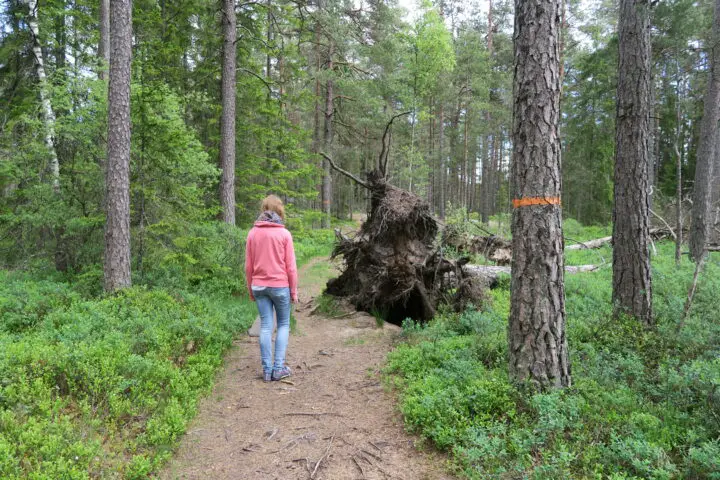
x: 494, y: 174
x: 117, y: 180
x: 704, y: 169
x: 48, y: 115
x: 431, y: 166
x: 227, y: 120
x: 678, y: 180
x: 465, y: 171
x: 104, y: 43
x: 441, y: 152
x: 485, y: 184
x: 327, y: 142
x: 536, y: 333
x: 485, y: 179
x: 632, y: 284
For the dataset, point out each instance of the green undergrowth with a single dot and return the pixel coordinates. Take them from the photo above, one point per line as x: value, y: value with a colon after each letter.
x: 644, y: 403
x: 96, y: 386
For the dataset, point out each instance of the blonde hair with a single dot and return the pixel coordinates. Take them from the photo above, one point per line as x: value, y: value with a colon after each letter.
x: 273, y: 204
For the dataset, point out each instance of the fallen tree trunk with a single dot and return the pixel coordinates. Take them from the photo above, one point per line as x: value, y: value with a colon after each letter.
x: 499, y: 250
x: 491, y: 273
x: 597, y: 243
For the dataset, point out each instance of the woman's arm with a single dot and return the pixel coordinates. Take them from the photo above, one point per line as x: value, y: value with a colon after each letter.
x: 291, y: 268
x: 249, y: 264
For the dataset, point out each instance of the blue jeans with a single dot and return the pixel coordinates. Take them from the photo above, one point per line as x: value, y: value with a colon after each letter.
x: 266, y: 299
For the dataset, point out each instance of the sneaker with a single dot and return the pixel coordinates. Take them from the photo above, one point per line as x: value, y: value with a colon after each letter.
x: 267, y: 376
x: 284, y: 372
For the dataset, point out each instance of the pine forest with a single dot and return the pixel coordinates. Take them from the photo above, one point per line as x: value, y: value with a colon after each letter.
x: 505, y: 218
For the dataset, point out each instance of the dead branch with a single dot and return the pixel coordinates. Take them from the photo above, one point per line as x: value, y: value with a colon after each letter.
x: 345, y: 172
x: 385, y: 151
x: 672, y: 233
x: 691, y: 292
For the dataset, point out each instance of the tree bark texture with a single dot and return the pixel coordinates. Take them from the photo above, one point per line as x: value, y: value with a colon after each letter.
x: 536, y: 332
x: 632, y: 285
x: 485, y: 179
x: 104, y: 43
x: 48, y: 115
x: 227, y: 120
x: 702, y: 218
x: 327, y: 143
x: 441, y: 152
x: 117, y: 176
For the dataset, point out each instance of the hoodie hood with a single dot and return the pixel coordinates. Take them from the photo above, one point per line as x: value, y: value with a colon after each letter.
x: 269, y: 216
x: 264, y: 224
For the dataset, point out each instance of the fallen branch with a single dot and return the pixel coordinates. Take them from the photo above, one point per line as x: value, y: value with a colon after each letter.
x: 666, y: 224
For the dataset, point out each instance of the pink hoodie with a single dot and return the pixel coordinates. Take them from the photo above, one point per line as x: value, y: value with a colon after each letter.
x: 270, y: 258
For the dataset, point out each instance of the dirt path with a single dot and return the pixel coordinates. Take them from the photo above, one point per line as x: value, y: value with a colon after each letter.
x: 333, y: 421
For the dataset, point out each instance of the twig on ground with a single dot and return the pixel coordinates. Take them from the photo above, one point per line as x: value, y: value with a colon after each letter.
x: 380, y: 449
x: 311, y: 414
x: 273, y: 433
x: 376, y: 457
x: 307, y: 463
x: 362, y: 471
x: 317, y: 465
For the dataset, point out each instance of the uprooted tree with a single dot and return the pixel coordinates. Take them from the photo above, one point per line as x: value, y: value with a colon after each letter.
x: 392, y: 266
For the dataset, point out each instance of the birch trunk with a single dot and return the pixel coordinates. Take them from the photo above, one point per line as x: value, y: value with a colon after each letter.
x: 48, y: 115
x: 536, y: 332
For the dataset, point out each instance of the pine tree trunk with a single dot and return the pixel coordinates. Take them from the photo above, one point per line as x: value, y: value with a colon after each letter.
x: 702, y: 218
x: 327, y: 143
x: 48, y: 115
x: 443, y: 166
x: 431, y: 163
x: 632, y: 285
x: 117, y: 179
x: 485, y: 181
x: 227, y: 120
x: 536, y: 333
x: 465, y: 172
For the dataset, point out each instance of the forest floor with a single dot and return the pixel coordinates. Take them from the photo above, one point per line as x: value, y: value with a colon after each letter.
x: 332, y: 419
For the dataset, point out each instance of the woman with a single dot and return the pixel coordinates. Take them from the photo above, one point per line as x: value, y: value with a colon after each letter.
x: 272, y: 282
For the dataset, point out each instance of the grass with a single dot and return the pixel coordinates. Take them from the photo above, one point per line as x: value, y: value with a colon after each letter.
x: 96, y: 386
x: 643, y: 403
